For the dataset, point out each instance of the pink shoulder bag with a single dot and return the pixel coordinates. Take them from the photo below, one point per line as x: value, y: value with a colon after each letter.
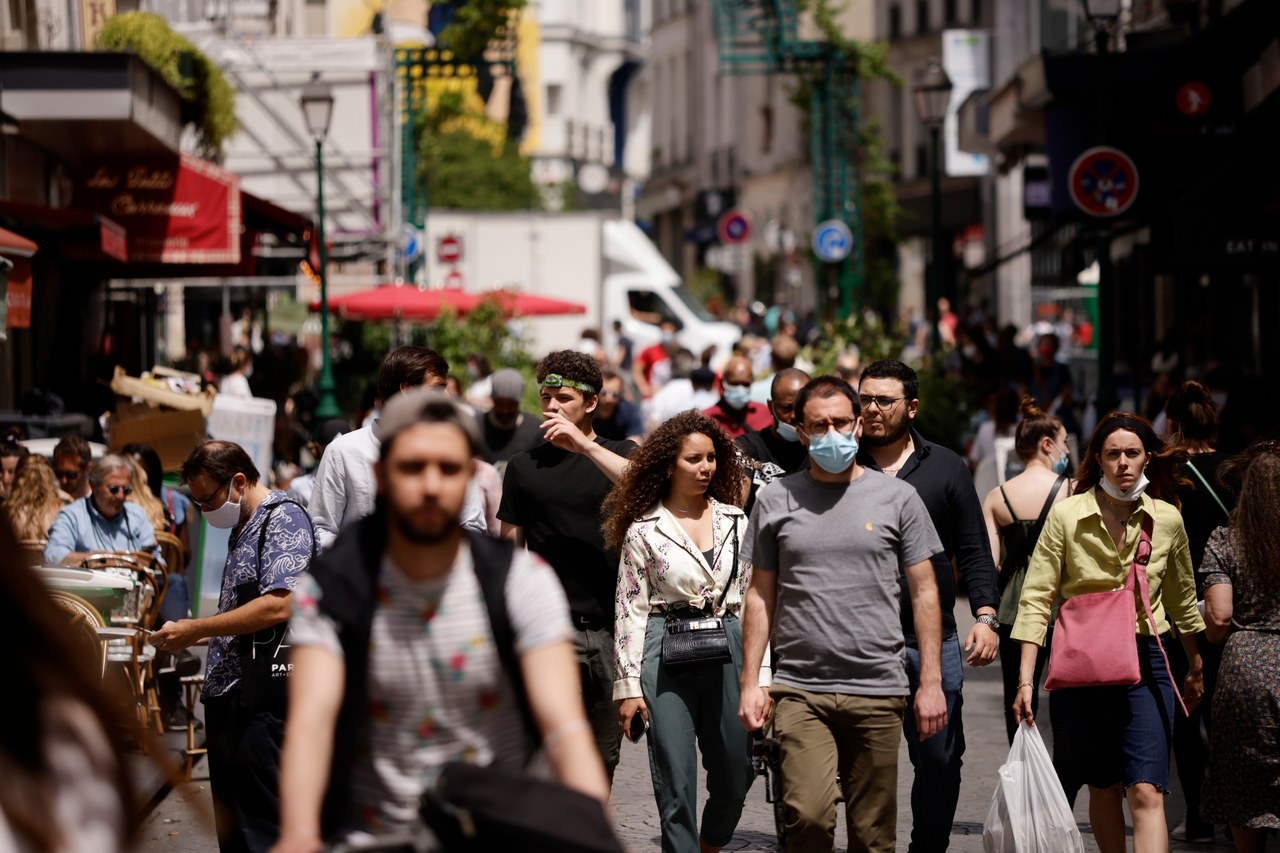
x: 1094, y: 637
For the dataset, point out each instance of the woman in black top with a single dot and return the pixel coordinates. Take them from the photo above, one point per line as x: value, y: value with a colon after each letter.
x: 1206, y: 505
x: 1014, y: 513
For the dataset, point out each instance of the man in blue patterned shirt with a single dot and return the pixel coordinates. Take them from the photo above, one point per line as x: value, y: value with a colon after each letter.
x: 271, y: 546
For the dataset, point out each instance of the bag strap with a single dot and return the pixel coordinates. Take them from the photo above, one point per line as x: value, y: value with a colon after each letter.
x: 491, y: 560
x: 1141, y: 556
x: 1212, y: 493
x: 733, y: 573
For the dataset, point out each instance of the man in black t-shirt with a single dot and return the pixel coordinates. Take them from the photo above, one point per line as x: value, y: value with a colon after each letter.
x: 551, y: 497
x: 504, y: 429
x: 776, y: 451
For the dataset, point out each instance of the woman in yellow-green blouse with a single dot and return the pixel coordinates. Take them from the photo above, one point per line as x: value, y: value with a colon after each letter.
x: 1119, y: 736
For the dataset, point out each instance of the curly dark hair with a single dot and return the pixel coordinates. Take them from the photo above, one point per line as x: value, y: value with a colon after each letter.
x: 571, y: 364
x: 647, y: 478
x: 1161, y: 471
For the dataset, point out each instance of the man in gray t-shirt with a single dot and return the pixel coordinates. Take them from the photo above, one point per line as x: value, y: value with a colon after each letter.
x: 828, y: 546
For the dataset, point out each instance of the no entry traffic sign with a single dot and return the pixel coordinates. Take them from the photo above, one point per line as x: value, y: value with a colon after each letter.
x: 449, y: 249
x: 1103, y: 181
x: 734, y: 226
x: 1193, y: 98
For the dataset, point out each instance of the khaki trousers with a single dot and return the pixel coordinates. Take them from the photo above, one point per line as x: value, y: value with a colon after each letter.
x: 820, y: 734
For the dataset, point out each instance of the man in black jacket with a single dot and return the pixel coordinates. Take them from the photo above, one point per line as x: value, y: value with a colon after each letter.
x: 888, y: 392
x: 411, y: 642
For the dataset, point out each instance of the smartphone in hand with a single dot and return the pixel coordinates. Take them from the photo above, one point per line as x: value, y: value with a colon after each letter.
x: 639, y: 725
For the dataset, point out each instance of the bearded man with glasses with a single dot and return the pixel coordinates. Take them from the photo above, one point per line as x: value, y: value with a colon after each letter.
x: 102, y: 520
x: 889, y: 392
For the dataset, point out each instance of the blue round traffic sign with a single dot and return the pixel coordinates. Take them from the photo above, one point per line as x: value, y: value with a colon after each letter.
x: 832, y: 241
x: 734, y: 226
x: 1103, y: 181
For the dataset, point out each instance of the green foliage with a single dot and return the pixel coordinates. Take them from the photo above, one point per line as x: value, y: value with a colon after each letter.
x: 197, y: 79
x: 945, y: 408
x: 866, y: 331
x: 871, y: 57
x: 477, y: 23
x: 457, y: 167
x: 484, y: 331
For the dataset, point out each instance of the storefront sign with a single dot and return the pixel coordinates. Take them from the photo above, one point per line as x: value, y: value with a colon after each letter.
x: 19, y: 299
x: 177, y: 211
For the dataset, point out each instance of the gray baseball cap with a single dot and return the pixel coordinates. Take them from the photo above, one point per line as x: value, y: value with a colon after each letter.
x: 424, y: 405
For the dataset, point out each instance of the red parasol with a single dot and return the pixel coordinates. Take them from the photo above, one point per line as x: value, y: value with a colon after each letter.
x: 407, y: 302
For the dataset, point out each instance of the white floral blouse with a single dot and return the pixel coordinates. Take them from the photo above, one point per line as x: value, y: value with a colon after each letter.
x: 661, y: 566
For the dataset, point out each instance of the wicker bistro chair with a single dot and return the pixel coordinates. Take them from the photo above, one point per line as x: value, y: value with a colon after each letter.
x: 86, y: 623
x: 171, y: 549
x: 31, y: 551
x: 127, y: 648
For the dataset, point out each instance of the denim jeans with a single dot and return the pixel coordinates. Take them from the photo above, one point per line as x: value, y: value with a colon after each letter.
x: 936, y: 788
x: 1121, y: 735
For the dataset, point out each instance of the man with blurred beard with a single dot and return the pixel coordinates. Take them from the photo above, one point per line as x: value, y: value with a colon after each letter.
x: 776, y: 451
x: 551, y: 498
x: 617, y: 417
x: 413, y: 641
x: 888, y: 392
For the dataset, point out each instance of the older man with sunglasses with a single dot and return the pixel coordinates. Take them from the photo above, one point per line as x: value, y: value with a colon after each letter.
x: 103, y: 520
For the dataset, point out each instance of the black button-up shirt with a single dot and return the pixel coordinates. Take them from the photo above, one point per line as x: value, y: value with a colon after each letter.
x: 945, y: 485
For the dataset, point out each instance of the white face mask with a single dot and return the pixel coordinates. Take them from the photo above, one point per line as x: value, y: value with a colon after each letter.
x: 1139, y: 486
x: 226, y: 516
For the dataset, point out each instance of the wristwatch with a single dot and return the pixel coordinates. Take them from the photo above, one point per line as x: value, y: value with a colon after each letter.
x: 990, y: 621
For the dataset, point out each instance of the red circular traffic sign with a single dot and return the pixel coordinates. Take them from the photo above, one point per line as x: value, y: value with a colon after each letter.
x: 1194, y: 98
x: 734, y: 226
x: 449, y: 249
x: 1103, y: 181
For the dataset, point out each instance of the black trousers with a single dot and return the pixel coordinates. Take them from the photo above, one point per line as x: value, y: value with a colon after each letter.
x: 244, y: 773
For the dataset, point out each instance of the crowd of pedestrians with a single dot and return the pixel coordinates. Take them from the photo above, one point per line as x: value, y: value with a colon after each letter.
x: 670, y: 553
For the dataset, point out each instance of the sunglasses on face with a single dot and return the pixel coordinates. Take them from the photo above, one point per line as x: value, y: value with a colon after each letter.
x: 67, y: 475
x: 116, y: 490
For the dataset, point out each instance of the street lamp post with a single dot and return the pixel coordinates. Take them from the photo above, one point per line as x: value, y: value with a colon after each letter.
x: 317, y: 109
x: 933, y: 94
x: 1102, y: 14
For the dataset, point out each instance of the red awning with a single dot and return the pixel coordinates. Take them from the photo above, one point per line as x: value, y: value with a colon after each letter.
x: 407, y: 302
x: 80, y: 235
x: 15, y: 246
x: 182, y: 210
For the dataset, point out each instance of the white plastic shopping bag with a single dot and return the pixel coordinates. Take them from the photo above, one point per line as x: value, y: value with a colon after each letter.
x: 1029, y: 812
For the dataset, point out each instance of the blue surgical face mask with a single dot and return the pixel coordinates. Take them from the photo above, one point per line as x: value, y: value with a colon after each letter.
x: 786, y: 431
x: 833, y: 451
x: 737, y: 396
x: 1060, y: 465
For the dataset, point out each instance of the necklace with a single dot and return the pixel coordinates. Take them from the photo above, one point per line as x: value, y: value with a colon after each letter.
x: 679, y: 511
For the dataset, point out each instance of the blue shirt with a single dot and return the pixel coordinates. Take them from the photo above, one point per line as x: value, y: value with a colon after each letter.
x: 80, y: 526
x: 626, y: 422
x: 286, y: 554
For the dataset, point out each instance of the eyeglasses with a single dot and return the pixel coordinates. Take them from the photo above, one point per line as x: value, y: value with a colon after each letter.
x: 844, y: 426
x: 116, y: 490
x: 609, y: 395
x: 207, y: 504
x: 555, y: 380
x: 880, y: 401
x: 68, y: 474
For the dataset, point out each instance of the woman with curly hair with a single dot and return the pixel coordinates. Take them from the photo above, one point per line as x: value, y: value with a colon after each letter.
x: 1118, y: 736
x: 33, y: 503
x: 674, y: 515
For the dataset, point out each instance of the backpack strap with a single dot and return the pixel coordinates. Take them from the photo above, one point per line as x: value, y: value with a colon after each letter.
x: 262, y: 531
x: 1003, y: 578
x: 492, y: 560
x: 1212, y: 493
